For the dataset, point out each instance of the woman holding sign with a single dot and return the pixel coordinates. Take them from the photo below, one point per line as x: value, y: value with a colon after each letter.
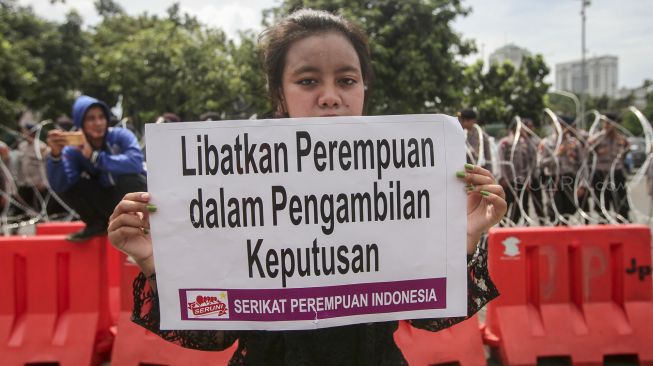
x: 317, y: 65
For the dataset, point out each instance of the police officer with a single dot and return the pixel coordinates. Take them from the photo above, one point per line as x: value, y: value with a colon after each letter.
x: 537, y: 182
x: 517, y: 158
x: 610, y: 147
x: 468, y: 119
x: 561, y: 163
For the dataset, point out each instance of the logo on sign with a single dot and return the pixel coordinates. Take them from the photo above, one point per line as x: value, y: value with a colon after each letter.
x: 208, y: 304
x: 510, y: 245
x: 642, y: 270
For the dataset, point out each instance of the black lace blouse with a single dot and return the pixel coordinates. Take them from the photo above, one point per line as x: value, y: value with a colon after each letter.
x: 359, y: 344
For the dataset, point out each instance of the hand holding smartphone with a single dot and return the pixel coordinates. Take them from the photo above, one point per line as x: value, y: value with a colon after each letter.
x: 57, y: 139
x: 74, y: 138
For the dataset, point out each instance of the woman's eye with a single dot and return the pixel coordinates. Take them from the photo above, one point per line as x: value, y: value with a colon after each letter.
x: 348, y: 81
x: 307, y: 82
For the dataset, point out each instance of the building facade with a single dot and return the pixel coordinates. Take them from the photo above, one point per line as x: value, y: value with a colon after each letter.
x: 510, y: 52
x: 639, y: 95
x: 601, y: 76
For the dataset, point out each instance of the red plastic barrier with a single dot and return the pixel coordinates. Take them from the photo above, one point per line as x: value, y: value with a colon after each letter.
x: 58, y: 227
x: 113, y: 265
x: 53, y: 301
x: 578, y: 292
x: 135, y: 346
x: 461, y: 343
x: 114, y: 262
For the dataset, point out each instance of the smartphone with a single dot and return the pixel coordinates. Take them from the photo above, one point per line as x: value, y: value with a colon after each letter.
x: 74, y: 138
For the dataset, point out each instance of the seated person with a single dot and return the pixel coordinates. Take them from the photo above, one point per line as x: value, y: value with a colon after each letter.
x: 92, y: 178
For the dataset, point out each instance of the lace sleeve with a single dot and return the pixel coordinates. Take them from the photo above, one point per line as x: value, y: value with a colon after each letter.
x: 146, y: 314
x: 480, y: 291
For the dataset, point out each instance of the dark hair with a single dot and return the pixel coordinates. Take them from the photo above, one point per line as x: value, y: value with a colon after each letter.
x: 566, y: 119
x: 612, y: 116
x: 277, y: 39
x: 467, y: 113
x: 210, y: 116
x: 171, y: 117
x: 64, y: 122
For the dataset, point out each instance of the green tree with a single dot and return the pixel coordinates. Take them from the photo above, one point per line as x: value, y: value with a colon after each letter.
x: 620, y: 106
x: 561, y: 104
x: 489, y: 91
x: 630, y: 121
x: 648, y: 110
x: 503, y: 91
x: 15, y: 76
x: 529, y: 89
x: 59, y: 67
x: 249, y: 84
x: 175, y: 63
x: 169, y: 64
x: 108, y: 8
x: 39, y: 62
x: 415, y: 52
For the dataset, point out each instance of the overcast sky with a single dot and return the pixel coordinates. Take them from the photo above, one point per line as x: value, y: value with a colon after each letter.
x: 550, y: 27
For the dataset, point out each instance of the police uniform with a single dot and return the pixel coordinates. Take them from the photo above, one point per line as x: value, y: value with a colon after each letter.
x: 474, y: 147
x: 609, y: 149
x: 561, y: 165
x: 516, y: 168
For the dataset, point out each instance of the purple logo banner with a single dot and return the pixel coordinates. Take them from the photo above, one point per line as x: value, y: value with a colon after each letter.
x: 312, y: 302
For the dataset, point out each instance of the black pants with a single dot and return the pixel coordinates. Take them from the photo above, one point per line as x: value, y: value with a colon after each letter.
x: 536, y: 186
x: 562, y: 195
x: 95, y: 203
x: 514, y: 213
x: 615, y: 196
x: 29, y: 197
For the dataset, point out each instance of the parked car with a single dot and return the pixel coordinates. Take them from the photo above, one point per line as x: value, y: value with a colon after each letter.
x: 637, y: 154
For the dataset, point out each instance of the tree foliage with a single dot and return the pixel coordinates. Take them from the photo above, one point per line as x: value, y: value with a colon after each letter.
x: 503, y: 91
x: 108, y: 8
x: 158, y: 66
x: 39, y: 62
x: 605, y: 104
x: 630, y: 121
x: 174, y: 63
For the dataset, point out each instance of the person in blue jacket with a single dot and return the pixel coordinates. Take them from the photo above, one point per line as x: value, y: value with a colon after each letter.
x: 93, y: 177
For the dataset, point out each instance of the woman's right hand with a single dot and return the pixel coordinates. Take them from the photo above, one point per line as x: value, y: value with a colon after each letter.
x: 129, y: 229
x: 56, y: 141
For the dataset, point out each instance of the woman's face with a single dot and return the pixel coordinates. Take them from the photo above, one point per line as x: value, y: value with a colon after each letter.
x: 94, y: 124
x: 322, y: 77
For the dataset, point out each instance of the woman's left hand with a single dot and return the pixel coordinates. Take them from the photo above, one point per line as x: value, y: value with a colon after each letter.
x: 87, y: 150
x: 486, y: 202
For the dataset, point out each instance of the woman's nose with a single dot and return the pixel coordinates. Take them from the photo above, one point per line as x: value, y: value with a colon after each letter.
x: 329, y: 98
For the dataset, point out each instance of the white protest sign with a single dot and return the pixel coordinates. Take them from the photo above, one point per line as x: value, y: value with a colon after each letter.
x: 308, y: 223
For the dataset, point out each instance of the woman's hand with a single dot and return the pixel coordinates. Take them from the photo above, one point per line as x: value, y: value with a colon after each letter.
x: 129, y: 229
x: 486, y: 202
x: 86, y: 150
x: 56, y: 141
